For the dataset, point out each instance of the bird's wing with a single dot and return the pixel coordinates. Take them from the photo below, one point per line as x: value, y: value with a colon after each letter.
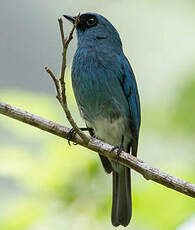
x: 129, y: 86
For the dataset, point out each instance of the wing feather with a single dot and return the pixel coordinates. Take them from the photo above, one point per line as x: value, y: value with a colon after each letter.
x: 129, y: 85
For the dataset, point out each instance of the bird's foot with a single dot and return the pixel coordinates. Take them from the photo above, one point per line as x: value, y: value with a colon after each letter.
x: 120, y: 148
x: 72, y: 134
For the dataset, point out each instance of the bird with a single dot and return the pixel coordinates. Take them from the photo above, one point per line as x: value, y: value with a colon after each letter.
x: 107, y: 96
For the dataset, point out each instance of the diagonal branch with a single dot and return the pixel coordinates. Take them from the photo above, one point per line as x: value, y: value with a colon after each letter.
x: 104, y: 149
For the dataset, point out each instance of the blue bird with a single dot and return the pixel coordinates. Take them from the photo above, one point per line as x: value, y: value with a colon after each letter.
x: 107, y: 97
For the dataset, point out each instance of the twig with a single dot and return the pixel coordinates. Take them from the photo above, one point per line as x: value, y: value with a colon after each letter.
x: 56, y: 82
x: 103, y: 148
x: 65, y: 44
x: 62, y: 31
x: 70, y: 37
x: 60, y: 83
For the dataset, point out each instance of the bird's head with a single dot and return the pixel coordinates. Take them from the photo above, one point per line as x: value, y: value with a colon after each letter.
x: 94, y: 29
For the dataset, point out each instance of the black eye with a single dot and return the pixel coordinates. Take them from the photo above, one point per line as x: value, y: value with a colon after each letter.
x: 91, y: 21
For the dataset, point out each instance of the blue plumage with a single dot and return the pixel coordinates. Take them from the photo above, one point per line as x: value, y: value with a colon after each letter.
x: 106, y: 93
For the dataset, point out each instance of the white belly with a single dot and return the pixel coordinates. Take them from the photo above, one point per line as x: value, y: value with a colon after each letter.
x: 111, y: 132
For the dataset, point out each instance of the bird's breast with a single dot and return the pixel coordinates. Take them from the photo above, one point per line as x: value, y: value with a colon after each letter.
x: 97, y: 89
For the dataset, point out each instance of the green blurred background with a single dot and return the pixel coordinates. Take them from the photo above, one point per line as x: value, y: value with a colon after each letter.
x: 47, y: 185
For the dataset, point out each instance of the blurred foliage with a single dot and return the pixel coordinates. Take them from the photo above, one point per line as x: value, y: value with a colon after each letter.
x: 178, y: 116
x: 50, y: 185
x: 184, y: 114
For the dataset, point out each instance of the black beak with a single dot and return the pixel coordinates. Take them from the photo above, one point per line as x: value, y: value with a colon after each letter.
x: 70, y: 18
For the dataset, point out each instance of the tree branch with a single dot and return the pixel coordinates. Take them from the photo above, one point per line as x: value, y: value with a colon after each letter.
x: 104, y: 149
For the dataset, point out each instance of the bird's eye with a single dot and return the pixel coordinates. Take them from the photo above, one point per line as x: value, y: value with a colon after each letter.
x: 91, y: 21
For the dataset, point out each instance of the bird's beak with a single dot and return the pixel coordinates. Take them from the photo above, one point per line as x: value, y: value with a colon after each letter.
x: 70, y: 18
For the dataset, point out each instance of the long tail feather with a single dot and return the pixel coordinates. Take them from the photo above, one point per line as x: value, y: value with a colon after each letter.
x: 121, y: 203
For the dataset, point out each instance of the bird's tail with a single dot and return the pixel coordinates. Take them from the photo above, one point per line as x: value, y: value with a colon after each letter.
x: 121, y: 201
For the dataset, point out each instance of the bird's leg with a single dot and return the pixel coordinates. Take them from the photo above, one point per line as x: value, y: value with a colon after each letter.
x: 120, y: 148
x: 72, y: 134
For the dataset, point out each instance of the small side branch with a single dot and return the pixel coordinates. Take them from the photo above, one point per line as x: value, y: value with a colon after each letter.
x: 98, y: 146
x: 56, y: 82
